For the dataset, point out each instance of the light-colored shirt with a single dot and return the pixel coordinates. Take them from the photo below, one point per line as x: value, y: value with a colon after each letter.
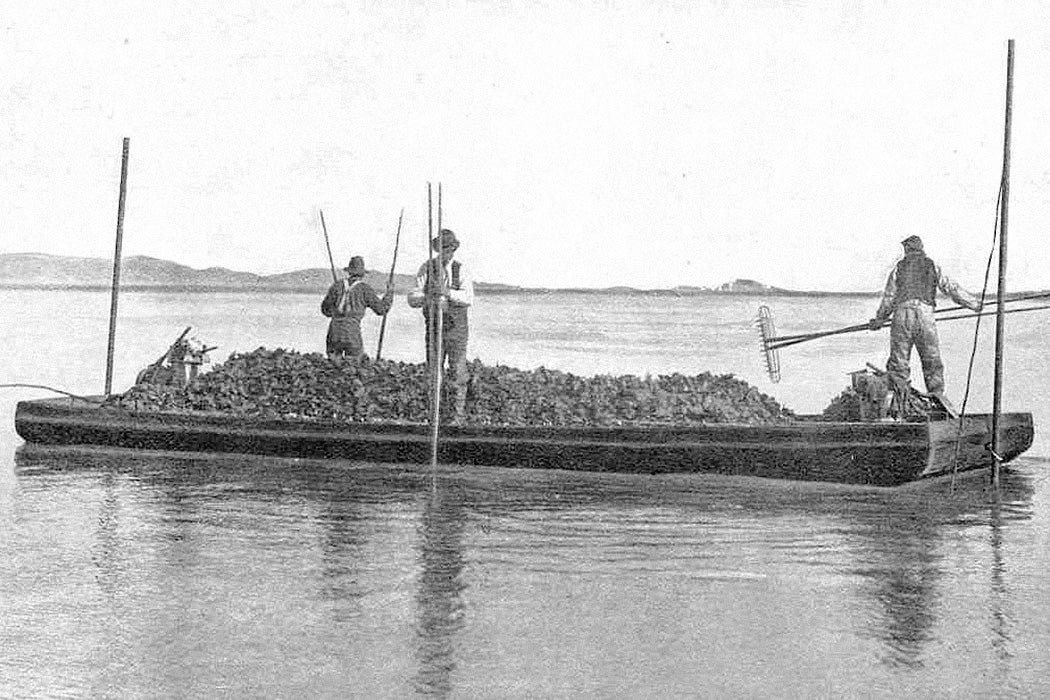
x: 946, y: 285
x: 463, y: 296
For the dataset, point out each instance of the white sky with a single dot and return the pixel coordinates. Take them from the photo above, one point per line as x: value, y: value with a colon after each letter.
x: 579, y: 144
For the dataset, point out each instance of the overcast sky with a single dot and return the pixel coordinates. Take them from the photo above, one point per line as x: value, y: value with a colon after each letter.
x: 579, y: 144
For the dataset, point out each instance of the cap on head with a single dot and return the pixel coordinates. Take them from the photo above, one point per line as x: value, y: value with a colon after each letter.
x: 446, y: 239
x: 912, y: 243
x: 356, y: 266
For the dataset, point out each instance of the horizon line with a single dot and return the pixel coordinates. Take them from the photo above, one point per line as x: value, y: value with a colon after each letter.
x: 492, y: 287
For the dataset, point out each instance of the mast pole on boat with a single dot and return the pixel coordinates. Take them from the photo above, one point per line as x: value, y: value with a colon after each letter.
x: 997, y: 395
x: 116, y: 268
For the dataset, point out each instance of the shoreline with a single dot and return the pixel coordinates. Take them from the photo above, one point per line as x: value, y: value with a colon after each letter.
x: 480, y: 289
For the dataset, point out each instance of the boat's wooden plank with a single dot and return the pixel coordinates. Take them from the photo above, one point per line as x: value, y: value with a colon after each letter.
x: 964, y: 444
x: 805, y: 431
x: 882, y: 464
x: 862, y: 453
x: 711, y: 437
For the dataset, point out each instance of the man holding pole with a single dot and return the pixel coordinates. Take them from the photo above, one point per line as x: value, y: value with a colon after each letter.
x: 910, y: 297
x: 345, y: 304
x: 444, y: 283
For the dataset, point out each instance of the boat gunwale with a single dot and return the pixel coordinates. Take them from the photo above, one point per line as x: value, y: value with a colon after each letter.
x: 874, y: 454
x: 786, y: 434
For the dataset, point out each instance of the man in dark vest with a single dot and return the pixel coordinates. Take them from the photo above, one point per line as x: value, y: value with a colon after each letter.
x: 452, y: 290
x: 345, y: 303
x: 910, y: 297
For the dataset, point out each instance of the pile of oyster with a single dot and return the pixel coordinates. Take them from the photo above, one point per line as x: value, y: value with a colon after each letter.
x: 283, y: 384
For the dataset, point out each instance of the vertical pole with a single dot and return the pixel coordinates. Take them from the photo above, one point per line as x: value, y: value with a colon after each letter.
x: 428, y: 296
x: 439, y: 354
x: 116, y: 269
x: 431, y: 308
x: 997, y: 397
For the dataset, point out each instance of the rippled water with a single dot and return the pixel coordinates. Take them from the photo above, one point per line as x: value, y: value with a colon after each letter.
x: 158, y: 575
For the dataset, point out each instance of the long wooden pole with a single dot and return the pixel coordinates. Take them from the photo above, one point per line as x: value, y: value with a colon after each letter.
x: 801, y: 337
x: 331, y: 261
x: 116, y: 268
x: 439, y: 340
x: 390, y: 282
x: 430, y: 272
x: 1000, y: 321
x: 775, y: 344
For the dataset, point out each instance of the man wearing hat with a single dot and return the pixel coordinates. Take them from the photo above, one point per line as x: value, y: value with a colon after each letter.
x: 910, y: 297
x: 444, y: 283
x: 345, y: 304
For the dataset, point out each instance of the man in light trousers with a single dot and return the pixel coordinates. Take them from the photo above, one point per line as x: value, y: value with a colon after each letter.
x: 450, y: 290
x: 910, y: 297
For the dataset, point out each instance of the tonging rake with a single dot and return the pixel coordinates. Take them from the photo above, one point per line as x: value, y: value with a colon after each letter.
x: 768, y: 332
x: 771, y: 342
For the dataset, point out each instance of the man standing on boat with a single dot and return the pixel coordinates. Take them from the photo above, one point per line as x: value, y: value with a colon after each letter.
x: 451, y: 290
x: 910, y: 297
x: 345, y: 304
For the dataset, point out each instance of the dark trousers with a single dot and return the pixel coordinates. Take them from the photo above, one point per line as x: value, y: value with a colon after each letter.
x: 344, y: 339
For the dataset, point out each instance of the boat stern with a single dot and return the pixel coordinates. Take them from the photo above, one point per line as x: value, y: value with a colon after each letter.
x: 962, y: 444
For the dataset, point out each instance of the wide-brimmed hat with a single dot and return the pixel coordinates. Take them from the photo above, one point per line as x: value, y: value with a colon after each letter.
x: 446, y: 239
x: 912, y: 243
x: 356, y: 266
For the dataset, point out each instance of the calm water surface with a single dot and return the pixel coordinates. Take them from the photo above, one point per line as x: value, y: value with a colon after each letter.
x: 164, y: 575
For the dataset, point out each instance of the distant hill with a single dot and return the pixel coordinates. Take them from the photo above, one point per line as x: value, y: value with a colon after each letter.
x: 41, y: 270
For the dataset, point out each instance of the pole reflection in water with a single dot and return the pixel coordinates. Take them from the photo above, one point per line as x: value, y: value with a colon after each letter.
x: 904, y: 560
x: 253, y: 576
x: 1001, y: 620
x: 106, y: 548
x: 440, y: 609
x: 342, y: 547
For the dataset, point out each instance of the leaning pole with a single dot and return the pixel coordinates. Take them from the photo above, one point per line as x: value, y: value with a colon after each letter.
x: 116, y: 269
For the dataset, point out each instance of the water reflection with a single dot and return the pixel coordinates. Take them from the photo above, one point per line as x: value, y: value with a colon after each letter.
x: 1001, y: 622
x: 105, y: 552
x: 343, y: 539
x: 897, y: 550
x: 902, y: 550
x: 902, y: 565
x: 440, y: 608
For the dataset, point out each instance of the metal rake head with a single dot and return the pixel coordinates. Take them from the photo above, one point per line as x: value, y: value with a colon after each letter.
x: 768, y: 332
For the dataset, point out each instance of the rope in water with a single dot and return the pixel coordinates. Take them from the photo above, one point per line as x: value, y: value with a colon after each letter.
x: 976, y: 337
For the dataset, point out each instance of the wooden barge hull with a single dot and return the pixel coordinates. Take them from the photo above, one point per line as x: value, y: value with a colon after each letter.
x: 879, y: 454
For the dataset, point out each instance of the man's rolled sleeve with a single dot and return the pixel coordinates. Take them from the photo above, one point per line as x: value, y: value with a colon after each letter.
x: 888, y: 295
x: 417, y: 297
x: 958, y: 294
x: 464, y: 296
